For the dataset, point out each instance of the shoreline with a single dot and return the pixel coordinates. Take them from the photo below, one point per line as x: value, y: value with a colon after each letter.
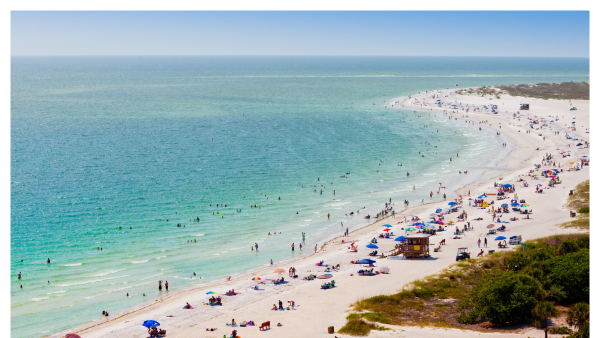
x: 511, y: 157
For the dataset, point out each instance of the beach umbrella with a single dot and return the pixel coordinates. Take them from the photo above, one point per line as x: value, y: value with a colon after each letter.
x: 384, y: 269
x: 524, y: 205
x: 507, y: 185
x: 211, y: 293
x: 571, y: 163
x: 438, y: 210
x: 490, y: 226
x: 256, y: 278
x: 387, y: 225
x: 372, y: 246
x: 450, y: 221
x: 279, y: 271
x: 504, y: 205
x: 418, y: 223
x: 322, y: 277
x: 400, y: 239
x: 514, y: 204
x: 365, y: 261
x: 452, y: 203
x: 482, y: 196
x: 499, y: 238
x: 72, y: 335
x: 410, y: 229
x: 151, y: 323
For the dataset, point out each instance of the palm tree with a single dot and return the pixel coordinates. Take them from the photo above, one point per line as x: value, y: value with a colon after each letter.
x: 579, y: 315
x: 544, y: 311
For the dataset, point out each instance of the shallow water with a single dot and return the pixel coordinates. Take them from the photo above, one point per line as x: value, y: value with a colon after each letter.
x: 100, y: 143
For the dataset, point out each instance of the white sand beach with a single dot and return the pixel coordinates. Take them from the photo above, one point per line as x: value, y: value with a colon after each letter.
x: 317, y: 309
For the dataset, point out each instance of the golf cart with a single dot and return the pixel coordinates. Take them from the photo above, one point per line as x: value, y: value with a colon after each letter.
x: 462, y: 254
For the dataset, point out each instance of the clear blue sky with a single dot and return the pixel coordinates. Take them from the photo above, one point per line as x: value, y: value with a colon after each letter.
x: 555, y: 34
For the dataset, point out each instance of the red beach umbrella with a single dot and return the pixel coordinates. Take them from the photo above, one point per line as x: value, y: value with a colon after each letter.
x: 72, y: 335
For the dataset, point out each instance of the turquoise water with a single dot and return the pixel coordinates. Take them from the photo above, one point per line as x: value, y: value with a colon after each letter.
x: 100, y: 143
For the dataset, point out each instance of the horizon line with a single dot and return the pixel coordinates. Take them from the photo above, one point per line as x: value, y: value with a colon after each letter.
x: 300, y: 55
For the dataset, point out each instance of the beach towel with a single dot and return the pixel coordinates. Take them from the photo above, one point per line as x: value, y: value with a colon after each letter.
x: 192, y: 308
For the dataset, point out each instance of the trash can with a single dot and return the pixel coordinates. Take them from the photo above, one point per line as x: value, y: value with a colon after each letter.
x: 330, y: 329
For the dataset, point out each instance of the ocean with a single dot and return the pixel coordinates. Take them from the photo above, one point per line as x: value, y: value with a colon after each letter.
x: 116, y: 152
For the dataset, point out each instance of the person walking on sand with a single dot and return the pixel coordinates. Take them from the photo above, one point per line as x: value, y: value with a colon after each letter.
x: 479, y: 243
x: 485, y: 242
x: 271, y: 262
x: 315, y: 248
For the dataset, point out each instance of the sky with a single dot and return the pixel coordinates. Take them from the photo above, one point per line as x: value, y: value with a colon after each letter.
x: 491, y: 33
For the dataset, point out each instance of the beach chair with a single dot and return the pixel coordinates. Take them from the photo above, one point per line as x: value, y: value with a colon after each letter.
x: 265, y: 326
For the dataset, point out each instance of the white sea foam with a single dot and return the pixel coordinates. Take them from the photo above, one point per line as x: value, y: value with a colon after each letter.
x: 108, y: 272
x: 74, y: 264
x: 140, y: 262
x: 152, y: 276
x: 198, y: 235
x: 51, y: 293
x: 37, y: 299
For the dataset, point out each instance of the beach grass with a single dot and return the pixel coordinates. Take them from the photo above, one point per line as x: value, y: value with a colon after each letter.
x: 561, y: 91
x: 447, y: 299
x: 580, y: 202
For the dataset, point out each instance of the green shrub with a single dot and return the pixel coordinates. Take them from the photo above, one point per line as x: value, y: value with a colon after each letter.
x: 572, y: 273
x: 579, y: 315
x: 584, y: 210
x: 542, y: 312
x: 507, y: 298
x: 357, y: 327
x: 560, y: 330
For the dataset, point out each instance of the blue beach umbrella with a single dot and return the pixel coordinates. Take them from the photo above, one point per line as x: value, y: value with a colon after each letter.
x: 365, y: 261
x: 418, y: 223
x: 452, y: 203
x: 482, y: 196
x: 372, y: 246
x: 499, y: 238
x: 151, y: 323
x: 514, y: 204
x: 400, y: 239
x: 507, y: 185
x: 387, y: 225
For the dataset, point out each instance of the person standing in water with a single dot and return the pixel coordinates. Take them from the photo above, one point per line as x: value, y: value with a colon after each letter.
x: 256, y: 246
x: 292, y: 247
x: 159, y: 285
x: 167, y: 285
